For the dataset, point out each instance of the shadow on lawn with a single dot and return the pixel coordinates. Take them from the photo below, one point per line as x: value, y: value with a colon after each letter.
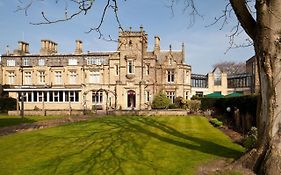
x: 119, y: 146
x: 9, y: 121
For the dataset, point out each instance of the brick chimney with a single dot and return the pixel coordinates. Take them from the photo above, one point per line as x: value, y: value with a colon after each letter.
x: 78, y: 49
x: 48, y: 47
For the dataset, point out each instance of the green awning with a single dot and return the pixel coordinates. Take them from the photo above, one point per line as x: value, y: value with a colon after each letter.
x: 234, y: 94
x: 214, y: 95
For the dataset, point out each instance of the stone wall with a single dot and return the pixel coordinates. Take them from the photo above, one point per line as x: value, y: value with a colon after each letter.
x: 149, y: 112
x: 46, y: 113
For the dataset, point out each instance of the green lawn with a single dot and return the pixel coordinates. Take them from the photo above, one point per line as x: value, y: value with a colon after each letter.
x: 6, y: 120
x: 117, y: 145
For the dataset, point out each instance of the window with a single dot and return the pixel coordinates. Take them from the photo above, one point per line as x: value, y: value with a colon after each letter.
x: 42, y: 77
x: 28, y: 96
x: 40, y: 96
x: 58, y: 77
x: 116, y: 69
x: 97, y: 97
x: 171, y: 95
x: 11, y: 78
x: 186, y: 94
x: 96, y: 61
x: 187, y: 77
x: 95, y: 77
x: 170, y: 61
x: 171, y: 76
x: 217, y: 77
x: 72, y: 62
x: 90, y: 61
x: 130, y: 65
x: 11, y: 63
x: 72, y: 77
x: 146, y: 69
x: 199, y: 93
x: 147, y: 96
x: 26, y: 62
x: 27, y: 78
x: 41, y: 62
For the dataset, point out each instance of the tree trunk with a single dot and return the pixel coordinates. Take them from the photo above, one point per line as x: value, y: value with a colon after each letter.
x: 266, y: 157
x: 266, y: 34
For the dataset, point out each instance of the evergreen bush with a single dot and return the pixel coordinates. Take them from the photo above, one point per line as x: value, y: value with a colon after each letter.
x: 7, y: 103
x: 161, y: 101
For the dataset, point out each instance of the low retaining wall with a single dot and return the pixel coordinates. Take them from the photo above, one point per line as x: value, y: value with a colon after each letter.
x: 149, y: 112
x: 117, y: 113
x: 46, y: 113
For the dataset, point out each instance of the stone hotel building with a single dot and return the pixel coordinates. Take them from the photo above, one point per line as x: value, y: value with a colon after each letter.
x: 127, y: 78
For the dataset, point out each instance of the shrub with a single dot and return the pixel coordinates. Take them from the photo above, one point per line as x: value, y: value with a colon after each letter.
x: 250, y: 140
x: 160, y: 101
x: 173, y: 106
x: 179, y: 102
x: 215, y: 122
x: 193, y: 105
x: 7, y: 104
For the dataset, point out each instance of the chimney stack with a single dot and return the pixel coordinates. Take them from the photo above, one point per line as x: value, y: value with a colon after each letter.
x: 48, y: 47
x: 78, y: 49
x: 157, y: 44
x: 23, y: 48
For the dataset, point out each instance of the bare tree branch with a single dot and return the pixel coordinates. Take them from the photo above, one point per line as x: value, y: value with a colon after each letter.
x: 244, y: 16
x: 83, y: 7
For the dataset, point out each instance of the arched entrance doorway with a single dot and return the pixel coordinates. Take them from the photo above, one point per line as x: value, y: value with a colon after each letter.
x: 131, y: 99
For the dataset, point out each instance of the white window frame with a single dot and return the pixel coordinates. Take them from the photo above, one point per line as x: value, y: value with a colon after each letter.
x: 28, y: 78
x: 58, y: 77
x: 26, y: 62
x: 41, y: 62
x: 90, y: 61
x: 11, y: 62
x: 72, y: 77
x: 11, y: 78
x: 95, y: 77
x: 170, y: 76
x: 97, y: 98
x: 171, y: 95
x: 72, y: 62
x: 41, y: 77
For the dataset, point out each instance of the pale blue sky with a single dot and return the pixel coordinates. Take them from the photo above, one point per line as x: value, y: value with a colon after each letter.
x: 205, y: 46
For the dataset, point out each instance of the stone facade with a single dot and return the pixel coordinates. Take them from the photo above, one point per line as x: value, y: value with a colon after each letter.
x: 127, y: 78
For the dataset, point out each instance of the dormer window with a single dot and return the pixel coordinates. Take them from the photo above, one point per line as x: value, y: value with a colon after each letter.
x: 72, y: 62
x: 26, y: 62
x: 11, y: 63
x: 41, y: 62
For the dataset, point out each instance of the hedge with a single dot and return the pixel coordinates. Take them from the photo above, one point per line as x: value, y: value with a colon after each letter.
x: 7, y: 103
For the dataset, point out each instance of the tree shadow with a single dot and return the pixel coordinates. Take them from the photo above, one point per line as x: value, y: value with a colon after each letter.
x: 110, y: 148
x: 10, y: 121
x: 205, y: 146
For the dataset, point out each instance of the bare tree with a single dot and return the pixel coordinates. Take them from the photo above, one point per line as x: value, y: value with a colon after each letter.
x: 231, y: 67
x: 263, y: 26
